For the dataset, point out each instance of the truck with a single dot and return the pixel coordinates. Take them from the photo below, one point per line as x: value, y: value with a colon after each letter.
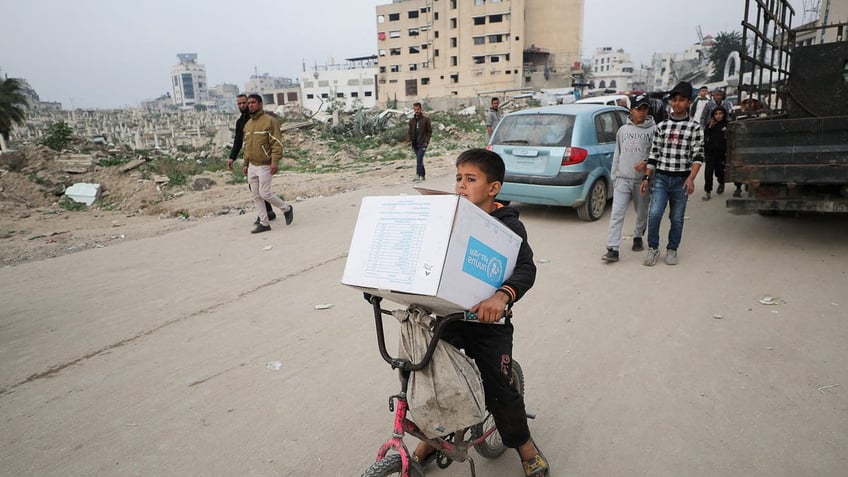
x: 788, y: 145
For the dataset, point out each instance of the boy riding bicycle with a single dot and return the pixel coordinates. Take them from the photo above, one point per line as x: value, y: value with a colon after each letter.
x: 479, y: 176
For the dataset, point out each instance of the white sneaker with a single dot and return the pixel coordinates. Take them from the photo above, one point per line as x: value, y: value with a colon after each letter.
x: 671, y: 257
x: 651, y: 257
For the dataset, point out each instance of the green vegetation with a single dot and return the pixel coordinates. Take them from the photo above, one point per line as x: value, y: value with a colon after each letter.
x: 58, y: 136
x: 71, y: 205
x: 725, y: 43
x: 13, y: 106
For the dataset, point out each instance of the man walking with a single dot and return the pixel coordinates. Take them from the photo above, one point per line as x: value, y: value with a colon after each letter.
x: 419, y: 134
x: 629, y: 161
x: 493, y: 117
x: 262, y: 152
x: 241, y: 102
x: 677, y: 153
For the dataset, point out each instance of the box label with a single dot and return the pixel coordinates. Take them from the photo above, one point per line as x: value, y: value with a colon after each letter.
x: 484, y: 263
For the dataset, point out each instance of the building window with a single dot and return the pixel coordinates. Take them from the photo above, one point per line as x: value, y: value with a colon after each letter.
x: 479, y: 2
x: 382, y: 52
x: 425, y: 81
x: 453, y: 42
x: 413, y: 32
x: 394, y: 51
x: 310, y: 96
x: 612, y: 84
x: 435, y: 15
x: 479, y: 20
x: 393, y: 17
x: 340, y: 95
x: 496, y: 38
x: 496, y: 18
x: 454, y: 61
x: 436, y: 53
x: 453, y: 4
x: 394, y: 34
x: 424, y: 46
x: 479, y: 60
x: 479, y: 40
x: 394, y: 68
x: 413, y: 67
x: 411, y: 88
x: 325, y: 95
x: 413, y: 50
x: 436, y: 34
x: 381, y: 18
x: 412, y: 14
x: 382, y: 69
x: 455, y: 78
x: 494, y: 59
x: 368, y: 94
x: 354, y: 94
x: 453, y: 23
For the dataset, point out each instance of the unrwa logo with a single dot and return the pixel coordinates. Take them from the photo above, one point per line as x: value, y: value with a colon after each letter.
x: 484, y: 263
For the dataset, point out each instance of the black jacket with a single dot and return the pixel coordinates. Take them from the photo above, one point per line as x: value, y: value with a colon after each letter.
x: 524, y: 275
x: 239, y: 139
x: 715, y: 139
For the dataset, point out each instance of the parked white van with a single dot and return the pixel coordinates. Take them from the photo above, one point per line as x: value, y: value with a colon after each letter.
x: 610, y: 100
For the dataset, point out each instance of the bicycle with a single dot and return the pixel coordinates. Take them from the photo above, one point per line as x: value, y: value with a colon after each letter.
x: 483, y: 436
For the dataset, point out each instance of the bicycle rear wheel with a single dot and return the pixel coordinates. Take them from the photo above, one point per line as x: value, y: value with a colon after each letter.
x: 391, y: 465
x: 493, y: 447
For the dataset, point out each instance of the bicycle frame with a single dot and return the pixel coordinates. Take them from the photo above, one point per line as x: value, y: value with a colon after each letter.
x: 456, y: 450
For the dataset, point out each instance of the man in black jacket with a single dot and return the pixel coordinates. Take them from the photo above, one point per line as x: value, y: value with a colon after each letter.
x: 241, y: 102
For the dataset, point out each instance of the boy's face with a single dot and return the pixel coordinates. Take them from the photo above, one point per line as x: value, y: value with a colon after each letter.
x: 472, y: 184
x: 680, y: 105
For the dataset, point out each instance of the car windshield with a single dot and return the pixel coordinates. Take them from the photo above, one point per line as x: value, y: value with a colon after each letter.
x: 543, y: 130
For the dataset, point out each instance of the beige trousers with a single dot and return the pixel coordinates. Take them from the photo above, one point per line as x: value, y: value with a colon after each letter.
x: 259, y: 179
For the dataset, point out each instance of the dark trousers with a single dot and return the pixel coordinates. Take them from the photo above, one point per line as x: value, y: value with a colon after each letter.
x: 419, y: 160
x: 713, y: 165
x: 490, y: 346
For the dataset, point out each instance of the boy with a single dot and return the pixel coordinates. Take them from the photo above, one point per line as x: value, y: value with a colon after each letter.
x: 479, y: 176
x: 632, y: 144
x: 676, y: 156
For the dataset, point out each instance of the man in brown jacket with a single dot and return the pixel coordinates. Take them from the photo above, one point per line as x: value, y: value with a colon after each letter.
x: 420, y: 131
x: 262, y: 152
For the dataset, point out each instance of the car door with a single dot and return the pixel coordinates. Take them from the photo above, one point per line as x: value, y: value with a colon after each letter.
x: 606, y: 126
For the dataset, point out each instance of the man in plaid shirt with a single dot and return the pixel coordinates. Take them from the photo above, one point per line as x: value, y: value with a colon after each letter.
x: 677, y: 153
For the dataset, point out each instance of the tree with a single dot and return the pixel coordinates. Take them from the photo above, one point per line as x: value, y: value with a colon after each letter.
x: 725, y: 43
x: 13, y: 106
x: 58, y: 136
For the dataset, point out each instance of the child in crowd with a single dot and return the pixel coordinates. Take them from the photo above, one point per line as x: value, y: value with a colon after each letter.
x: 479, y: 176
x: 715, y: 151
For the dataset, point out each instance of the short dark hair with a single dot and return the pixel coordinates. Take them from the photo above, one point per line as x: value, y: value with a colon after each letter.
x: 496, y: 99
x: 489, y: 162
x: 255, y: 96
x: 416, y: 104
x: 242, y: 95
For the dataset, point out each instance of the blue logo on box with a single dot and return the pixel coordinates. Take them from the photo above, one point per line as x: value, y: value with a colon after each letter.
x: 484, y: 263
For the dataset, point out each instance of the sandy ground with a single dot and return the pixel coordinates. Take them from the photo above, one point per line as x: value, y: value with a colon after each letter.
x: 149, y: 356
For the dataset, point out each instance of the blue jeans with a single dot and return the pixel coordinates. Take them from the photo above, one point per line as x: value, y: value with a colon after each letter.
x: 670, y: 190
x: 419, y: 160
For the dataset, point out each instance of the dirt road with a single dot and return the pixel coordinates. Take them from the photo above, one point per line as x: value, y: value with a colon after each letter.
x: 151, y: 357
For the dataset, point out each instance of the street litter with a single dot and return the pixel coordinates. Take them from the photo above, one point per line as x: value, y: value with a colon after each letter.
x: 267, y: 247
x: 325, y: 306
x: 821, y: 389
x: 543, y: 260
x: 274, y: 365
x: 717, y: 316
x: 771, y: 300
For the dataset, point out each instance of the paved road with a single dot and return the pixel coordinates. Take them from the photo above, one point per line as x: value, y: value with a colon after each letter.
x: 150, y: 357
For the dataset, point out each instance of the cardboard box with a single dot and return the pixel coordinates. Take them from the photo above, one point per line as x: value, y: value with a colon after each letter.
x: 438, y: 251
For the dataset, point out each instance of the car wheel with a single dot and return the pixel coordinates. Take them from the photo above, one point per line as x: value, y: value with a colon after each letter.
x: 596, y: 202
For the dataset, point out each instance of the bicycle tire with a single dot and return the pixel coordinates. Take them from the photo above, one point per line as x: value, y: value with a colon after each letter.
x: 392, y: 465
x: 493, y: 447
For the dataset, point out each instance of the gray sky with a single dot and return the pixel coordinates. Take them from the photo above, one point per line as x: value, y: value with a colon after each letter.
x: 115, y: 53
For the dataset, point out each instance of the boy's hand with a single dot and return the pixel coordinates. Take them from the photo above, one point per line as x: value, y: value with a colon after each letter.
x: 491, y: 309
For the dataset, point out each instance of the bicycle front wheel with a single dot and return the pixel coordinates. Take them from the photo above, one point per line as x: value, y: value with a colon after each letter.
x: 391, y: 465
x: 493, y: 447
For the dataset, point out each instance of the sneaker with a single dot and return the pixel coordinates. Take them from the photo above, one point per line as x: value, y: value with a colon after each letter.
x: 638, y: 245
x: 611, y: 256
x: 737, y: 192
x: 257, y: 221
x: 260, y: 228
x: 537, y: 466
x: 289, y: 215
x: 671, y: 257
x: 651, y: 257
x: 720, y: 189
x: 706, y: 196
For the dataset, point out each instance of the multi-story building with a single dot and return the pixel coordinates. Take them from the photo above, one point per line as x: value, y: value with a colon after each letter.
x: 189, y: 81
x: 346, y: 86
x: 463, y: 49
x: 612, y: 69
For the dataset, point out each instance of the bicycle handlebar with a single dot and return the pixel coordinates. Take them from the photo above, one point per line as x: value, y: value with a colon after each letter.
x: 403, y: 364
